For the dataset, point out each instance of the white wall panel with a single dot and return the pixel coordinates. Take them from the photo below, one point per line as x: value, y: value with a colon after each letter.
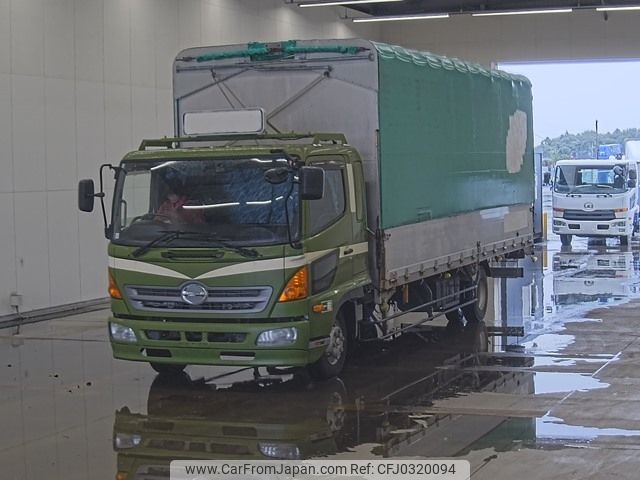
x: 6, y: 160
x: 89, y: 40
x: 7, y: 253
x: 5, y: 36
x: 118, y: 131
x: 28, y: 133
x: 143, y: 56
x: 145, y: 123
x: 64, y: 264
x: 90, y: 127
x: 166, y: 40
x: 60, y: 134
x: 27, y: 37
x: 59, y: 47
x: 117, y: 41
x: 189, y: 23
x: 32, y: 249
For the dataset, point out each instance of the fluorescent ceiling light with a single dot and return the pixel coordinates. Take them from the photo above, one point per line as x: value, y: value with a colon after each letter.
x: 612, y: 9
x: 345, y: 2
x: 522, y: 12
x: 399, y: 18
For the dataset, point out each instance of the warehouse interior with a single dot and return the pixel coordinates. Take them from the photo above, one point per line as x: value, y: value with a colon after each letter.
x: 83, y: 82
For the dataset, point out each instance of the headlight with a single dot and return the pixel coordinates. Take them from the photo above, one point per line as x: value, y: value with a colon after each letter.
x: 619, y: 224
x: 124, y: 441
x: 120, y: 333
x: 280, y: 336
x: 282, y: 451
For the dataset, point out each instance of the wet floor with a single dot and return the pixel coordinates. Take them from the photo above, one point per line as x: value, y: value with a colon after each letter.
x: 560, y: 400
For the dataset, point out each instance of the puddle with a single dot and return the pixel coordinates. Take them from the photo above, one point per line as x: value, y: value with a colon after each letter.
x: 555, y: 428
x: 555, y: 382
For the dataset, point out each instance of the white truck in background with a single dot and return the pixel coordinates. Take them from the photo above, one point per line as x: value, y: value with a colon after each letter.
x: 595, y: 198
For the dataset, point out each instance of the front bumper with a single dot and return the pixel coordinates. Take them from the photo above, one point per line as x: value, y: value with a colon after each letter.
x: 201, y: 344
x: 606, y: 228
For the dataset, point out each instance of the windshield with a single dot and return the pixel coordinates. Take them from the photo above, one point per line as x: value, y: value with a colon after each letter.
x: 213, y: 199
x: 590, y: 179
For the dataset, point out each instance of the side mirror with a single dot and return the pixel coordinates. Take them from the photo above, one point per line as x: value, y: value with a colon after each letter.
x: 633, y: 175
x: 86, y: 195
x: 631, y: 183
x: 311, y: 183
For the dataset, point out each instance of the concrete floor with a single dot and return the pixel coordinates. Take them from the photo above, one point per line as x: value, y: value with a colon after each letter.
x: 564, y: 404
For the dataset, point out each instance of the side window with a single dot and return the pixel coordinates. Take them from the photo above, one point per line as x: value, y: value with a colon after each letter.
x: 329, y: 208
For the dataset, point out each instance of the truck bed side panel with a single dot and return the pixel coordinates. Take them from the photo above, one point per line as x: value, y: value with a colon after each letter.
x: 444, y: 132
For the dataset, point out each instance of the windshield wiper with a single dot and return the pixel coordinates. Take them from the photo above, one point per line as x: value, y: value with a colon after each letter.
x: 171, y: 235
x: 217, y: 243
x: 167, y: 236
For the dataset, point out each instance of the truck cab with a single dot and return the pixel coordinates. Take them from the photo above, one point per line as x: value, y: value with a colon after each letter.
x: 595, y: 198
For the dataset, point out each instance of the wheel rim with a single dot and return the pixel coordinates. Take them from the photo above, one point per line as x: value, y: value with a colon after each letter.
x: 335, y: 350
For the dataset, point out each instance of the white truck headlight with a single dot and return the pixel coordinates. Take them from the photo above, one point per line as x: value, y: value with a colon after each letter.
x: 283, y: 451
x: 279, y: 336
x: 620, y: 224
x: 124, y: 441
x: 120, y: 333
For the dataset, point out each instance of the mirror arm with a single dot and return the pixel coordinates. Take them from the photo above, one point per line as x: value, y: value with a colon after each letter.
x: 101, y: 195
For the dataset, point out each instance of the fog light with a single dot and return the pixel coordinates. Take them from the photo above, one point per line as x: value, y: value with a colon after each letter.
x: 280, y: 336
x: 558, y: 223
x: 282, y: 451
x: 120, y: 333
x: 619, y: 224
x: 124, y: 441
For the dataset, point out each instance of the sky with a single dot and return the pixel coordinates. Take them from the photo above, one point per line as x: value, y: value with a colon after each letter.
x: 572, y: 96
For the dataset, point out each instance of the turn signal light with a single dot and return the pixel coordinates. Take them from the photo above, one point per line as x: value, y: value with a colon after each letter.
x: 121, y: 476
x: 297, y: 287
x: 114, y: 291
x: 620, y: 210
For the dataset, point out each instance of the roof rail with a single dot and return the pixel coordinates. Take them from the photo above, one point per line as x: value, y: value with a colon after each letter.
x: 316, y: 139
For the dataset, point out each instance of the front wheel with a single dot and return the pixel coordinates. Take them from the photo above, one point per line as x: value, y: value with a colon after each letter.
x: 168, y: 368
x: 475, y: 312
x: 565, y: 239
x: 333, y: 359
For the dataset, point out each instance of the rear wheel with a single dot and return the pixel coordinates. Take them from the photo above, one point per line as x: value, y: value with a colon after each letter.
x: 476, y: 311
x: 565, y: 239
x: 168, y: 368
x: 477, y: 337
x: 333, y: 359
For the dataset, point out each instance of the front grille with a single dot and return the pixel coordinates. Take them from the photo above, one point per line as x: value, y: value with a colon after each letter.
x: 594, y: 216
x: 220, y: 299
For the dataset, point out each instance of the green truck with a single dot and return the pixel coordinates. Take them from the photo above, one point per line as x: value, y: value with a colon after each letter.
x: 315, y: 192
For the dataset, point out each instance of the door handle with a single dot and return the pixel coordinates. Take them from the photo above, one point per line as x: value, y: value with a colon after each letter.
x: 348, y: 251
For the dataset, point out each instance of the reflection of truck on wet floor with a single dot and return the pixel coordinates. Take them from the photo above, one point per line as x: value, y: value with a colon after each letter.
x: 382, y: 410
x: 233, y: 246
x: 595, y: 198
x: 581, y: 277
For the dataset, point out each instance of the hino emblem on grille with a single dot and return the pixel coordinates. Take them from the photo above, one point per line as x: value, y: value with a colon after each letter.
x: 194, y: 294
x: 588, y: 206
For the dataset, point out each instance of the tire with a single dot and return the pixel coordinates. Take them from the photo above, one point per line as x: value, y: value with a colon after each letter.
x: 169, y: 369
x: 475, y: 312
x: 477, y: 337
x: 565, y: 239
x: 624, y: 240
x: 335, y: 355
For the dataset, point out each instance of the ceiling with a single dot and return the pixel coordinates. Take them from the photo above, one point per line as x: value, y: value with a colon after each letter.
x: 411, y: 7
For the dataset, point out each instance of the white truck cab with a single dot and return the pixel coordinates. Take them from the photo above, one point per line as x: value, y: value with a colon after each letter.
x: 595, y: 198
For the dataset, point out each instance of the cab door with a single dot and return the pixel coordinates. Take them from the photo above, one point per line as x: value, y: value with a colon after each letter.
x: 328, y: 227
